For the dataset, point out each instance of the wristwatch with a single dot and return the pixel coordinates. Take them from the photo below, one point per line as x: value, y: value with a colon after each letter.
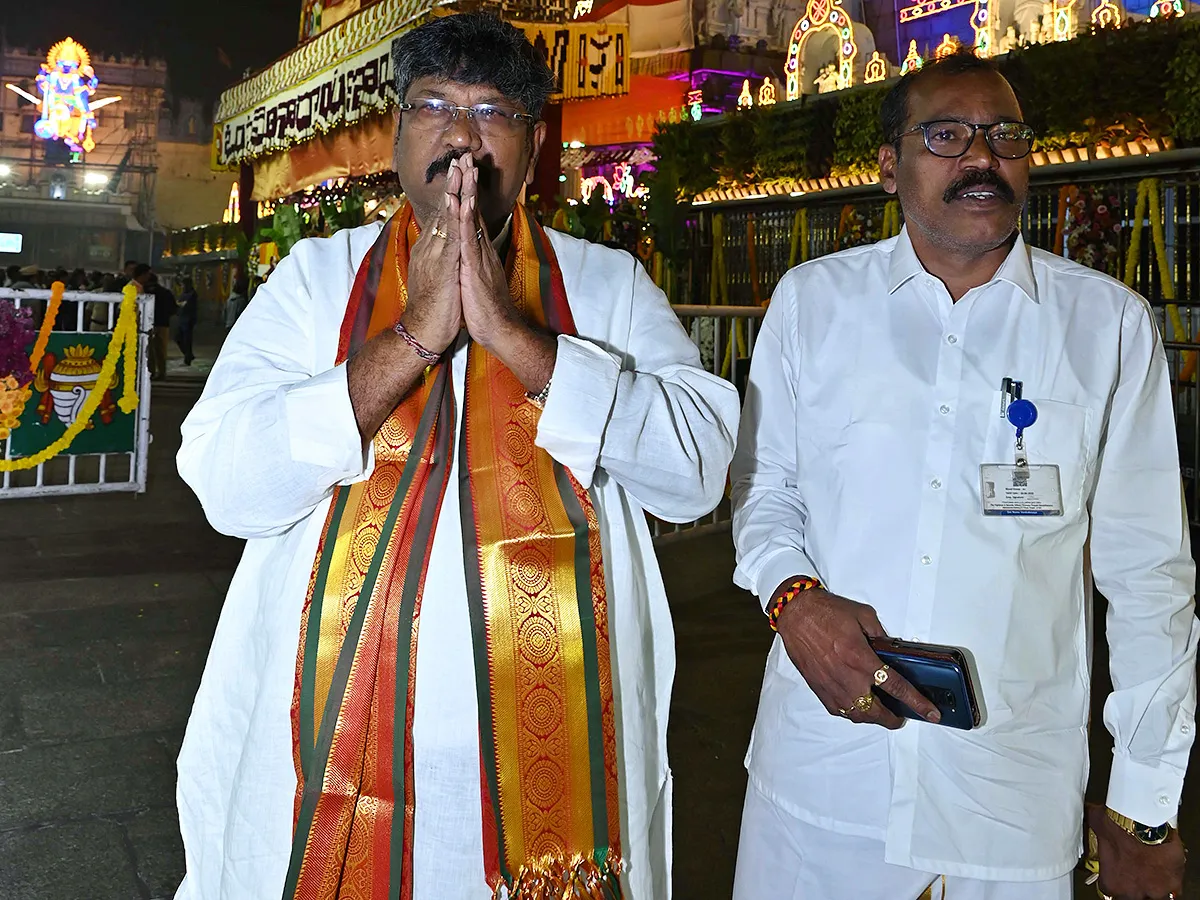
x: 1147, y: 834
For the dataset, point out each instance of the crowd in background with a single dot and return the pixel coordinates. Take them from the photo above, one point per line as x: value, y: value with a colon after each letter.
x: 174, y: 315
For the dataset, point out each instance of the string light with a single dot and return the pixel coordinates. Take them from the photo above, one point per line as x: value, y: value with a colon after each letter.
x: 766, y: 93
x: 745, y: 101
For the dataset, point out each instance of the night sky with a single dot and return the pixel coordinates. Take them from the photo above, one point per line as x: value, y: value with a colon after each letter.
x: 186, y: 33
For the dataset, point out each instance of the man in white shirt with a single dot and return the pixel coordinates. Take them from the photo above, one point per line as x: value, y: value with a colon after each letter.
x: 414, y: 425
x: 884, y: 477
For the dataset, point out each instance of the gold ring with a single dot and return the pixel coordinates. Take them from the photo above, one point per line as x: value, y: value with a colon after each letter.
x: 437, y: 232
x: 844, y: 713
x: 864, y: 703
x: 881, y: 674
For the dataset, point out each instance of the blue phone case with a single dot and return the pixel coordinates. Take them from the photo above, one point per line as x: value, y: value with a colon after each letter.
x: 940, y: 673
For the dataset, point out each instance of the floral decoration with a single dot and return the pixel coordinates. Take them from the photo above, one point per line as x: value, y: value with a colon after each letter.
x: 1093, y: 229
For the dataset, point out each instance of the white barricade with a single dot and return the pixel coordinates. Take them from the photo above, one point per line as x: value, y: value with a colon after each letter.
x: 77, y: 471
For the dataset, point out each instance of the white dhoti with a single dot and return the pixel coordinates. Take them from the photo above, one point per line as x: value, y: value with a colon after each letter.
x: 781, y: 857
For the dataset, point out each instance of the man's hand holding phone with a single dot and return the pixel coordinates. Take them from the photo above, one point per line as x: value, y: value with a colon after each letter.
x: 826, y: 638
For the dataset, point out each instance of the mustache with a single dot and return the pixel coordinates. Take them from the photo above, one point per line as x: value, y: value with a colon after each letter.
x: 980, y: 178
x: 441, y: 166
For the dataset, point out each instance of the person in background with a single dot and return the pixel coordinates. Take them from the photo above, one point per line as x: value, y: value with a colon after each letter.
x: 239, y: 298
x: 165, y: 307
x: 185, y: 327
x: 949, y: 437
x: 130, y: 268
x: 11, y: 275
x: 26, y: 278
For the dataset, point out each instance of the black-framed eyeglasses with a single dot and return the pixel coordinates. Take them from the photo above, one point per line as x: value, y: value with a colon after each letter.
x: 488, y: 119
x: 950, y: 138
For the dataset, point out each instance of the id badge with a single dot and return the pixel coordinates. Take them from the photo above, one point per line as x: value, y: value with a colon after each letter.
x: 1014, y: 490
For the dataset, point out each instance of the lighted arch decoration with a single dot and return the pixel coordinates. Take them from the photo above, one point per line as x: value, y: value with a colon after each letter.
x: 821, y: 15
x: 876, y: 69
x: 913, y: 61
x: 1106, y: 15
x: 981, y: 24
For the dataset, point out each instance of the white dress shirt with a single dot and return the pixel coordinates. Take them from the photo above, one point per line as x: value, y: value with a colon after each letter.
x: 629, y: 413
x: 873, y: 400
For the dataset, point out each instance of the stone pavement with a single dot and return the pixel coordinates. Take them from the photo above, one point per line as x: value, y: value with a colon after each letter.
x: 107, y: 608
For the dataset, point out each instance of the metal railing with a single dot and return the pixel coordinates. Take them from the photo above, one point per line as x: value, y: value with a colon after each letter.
x: 87, y: 473
x: 725, y: 336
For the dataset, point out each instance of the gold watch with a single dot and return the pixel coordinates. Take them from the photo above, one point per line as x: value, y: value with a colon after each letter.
x: 1151, y: 835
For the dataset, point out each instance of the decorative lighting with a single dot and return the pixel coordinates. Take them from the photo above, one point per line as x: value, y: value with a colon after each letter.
x: 95, y: 178
x: 744, y: 99
x: 1106, y: 15
x: 695, y: 101
x: 1166, y: 9
x: 67, y: 82
x: 582, y: 8
x: 5, y: 170
x: 233, y: 209
x: 947, y: 47
x: 913, y: 61
x: 576, y: 145
x: 1064, y: 20
x: 766, y: 93
x: 819, y: 15
x: 876, y: 69
x: 981, y: 24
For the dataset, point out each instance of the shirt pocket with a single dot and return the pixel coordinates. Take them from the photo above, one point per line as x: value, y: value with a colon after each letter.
x: 1061, y: 437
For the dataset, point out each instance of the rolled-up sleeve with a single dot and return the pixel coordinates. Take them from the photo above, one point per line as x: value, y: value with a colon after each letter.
x: 769, y: 514
x: 273, y: 433
x: 643, y: 411
x: 1142, y: 563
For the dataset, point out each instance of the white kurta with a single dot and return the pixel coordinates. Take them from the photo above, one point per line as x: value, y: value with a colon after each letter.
x: 872, y: 402
x: 630, y: 413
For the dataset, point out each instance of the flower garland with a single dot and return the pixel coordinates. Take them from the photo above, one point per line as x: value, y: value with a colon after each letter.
x: 43, y: 338
x: 1091, y: 229
x: 891, y: 224
x: 799, y: 237
x: 1148, y: 202
x: 124, y: 340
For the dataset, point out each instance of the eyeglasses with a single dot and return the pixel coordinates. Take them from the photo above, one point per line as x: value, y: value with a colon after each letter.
x: 950, y: 138
x: 488, y: 120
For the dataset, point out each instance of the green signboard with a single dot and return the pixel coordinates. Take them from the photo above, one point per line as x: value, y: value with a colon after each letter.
x: 64, y: 380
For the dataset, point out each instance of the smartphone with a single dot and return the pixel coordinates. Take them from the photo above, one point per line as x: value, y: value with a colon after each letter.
x: 940, y: 673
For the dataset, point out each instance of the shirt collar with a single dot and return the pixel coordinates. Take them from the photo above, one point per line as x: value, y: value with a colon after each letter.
x: 1016, y: 269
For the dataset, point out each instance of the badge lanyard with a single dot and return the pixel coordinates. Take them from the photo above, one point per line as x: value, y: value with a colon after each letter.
x: 1019, y: 488
x: 1021, y: 413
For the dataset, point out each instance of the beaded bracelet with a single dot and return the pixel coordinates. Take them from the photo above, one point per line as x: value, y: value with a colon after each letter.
x: 428, y: 355
x: 794, y: 590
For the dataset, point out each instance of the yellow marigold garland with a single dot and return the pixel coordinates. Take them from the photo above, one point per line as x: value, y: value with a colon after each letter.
x: 124, y: 339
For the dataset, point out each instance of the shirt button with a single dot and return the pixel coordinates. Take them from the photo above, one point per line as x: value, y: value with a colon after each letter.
x: 1186, y: 729
x: 926, y: 560
x: 944, y: 409
x: 1164, y: 800
x: 952, y: 339
x: 936, y: 483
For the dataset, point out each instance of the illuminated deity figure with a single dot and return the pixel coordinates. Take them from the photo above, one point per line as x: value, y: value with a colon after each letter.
x: 67, y: 83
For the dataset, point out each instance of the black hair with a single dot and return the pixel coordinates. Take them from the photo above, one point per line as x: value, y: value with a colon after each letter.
x: 893, y: 112
x: 140, y: 269
x: 474, y: 48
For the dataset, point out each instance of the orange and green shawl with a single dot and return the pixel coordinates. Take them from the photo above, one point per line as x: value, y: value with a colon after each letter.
x: 539, y: 619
